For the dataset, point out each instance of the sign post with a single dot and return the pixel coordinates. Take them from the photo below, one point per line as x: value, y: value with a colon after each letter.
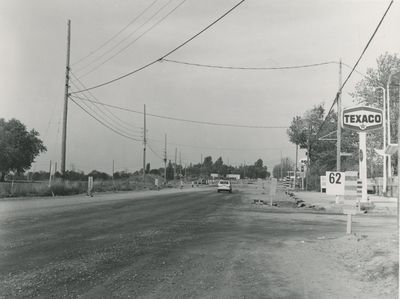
x: 335, y: 181
x: 361, y: 120
x: 272, y: 190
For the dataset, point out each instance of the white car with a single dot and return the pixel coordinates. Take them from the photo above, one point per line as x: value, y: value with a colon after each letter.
x: 224, y: 186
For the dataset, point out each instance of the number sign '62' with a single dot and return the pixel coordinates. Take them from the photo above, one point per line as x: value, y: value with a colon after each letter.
x: 335, y: 183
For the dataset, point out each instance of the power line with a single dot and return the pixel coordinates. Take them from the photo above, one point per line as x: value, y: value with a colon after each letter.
x: 135, y: 40
x: 124, y: 39
x: 107, y: 119
x: 117, y: 34
x: 157, y: 155
x: 164, y: 56
x: 259, y: 68
x: 185, y: 120
x: 249, y: 68
x: 104, y: 124
x: 118, y: 120
x: 354, y: 67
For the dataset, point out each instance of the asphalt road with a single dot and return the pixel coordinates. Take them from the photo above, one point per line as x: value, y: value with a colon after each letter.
x: 199, y: 244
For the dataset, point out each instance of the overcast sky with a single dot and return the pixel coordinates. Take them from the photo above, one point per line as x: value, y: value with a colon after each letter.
x: 258, y: 33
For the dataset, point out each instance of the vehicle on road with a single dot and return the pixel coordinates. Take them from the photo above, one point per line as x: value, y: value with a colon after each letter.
x: 224, y: 185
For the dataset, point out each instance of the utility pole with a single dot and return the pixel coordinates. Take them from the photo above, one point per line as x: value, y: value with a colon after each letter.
x: 112, y: 175
x: 144, y: 144
x: 50, y: 175
x: 339, y: 119
x: 281, y: 166
x: 180, y: 163
x: 66, y: 94
x: 165, y: 160
x: 201, y: 165
x: 176, y: 153
x: 295, y: 167
x: 308, y: 156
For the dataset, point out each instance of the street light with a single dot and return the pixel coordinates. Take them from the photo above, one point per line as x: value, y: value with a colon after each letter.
x: 393, y: 72
x: 382, y: 152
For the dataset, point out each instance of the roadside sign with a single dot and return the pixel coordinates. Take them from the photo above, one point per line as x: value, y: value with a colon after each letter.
x: 335, y: 182
x: 323, y: 183
x: 362, y: 118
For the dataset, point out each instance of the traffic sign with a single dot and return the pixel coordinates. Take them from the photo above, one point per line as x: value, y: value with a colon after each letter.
x: 362, y: 118
x: 335, y: 182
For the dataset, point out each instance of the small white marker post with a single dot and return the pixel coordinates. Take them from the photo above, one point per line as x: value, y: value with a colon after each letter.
x: 90, y: 186
x: 349, y: 211
x: 272, y: 190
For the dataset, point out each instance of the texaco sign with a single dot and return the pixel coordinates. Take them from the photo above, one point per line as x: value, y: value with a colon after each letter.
x: 362, y: 118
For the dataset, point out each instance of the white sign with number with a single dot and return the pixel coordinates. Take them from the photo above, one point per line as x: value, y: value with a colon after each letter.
x: 335, y: 182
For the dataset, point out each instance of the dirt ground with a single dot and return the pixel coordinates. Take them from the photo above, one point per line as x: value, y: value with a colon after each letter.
x: 368, y: 258
x: 185, y: 244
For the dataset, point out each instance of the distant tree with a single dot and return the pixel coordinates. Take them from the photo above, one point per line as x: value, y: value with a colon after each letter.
x: 156, y: 171
x: 98, y: 175
x: 74, y: 175
x: 369, y: 92
x: 282, y: 169
x: 40, y: 176
x: 207, y: 165
x: 18, y: 147
x: 218, y: 164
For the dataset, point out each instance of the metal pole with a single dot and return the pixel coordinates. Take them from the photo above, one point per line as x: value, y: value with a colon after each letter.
x: 281, y: 166
x: 339, y: 119
x: 398, y: 168
x: 112, y: 176
x: 384, y: 187
x: 176, y: 153
x: 144, y: 144
x: 66, y: 94
x: 295, y: 168
x: 50, y: 175
x: 388, y: 124
x: 165, y: 160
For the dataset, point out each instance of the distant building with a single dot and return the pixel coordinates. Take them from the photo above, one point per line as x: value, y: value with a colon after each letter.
x: 233, y: 176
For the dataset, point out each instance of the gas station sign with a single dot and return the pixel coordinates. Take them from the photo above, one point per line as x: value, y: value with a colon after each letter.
x: 362, y: 119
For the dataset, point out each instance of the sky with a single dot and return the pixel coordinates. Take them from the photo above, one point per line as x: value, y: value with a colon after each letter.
x: 258, y: 33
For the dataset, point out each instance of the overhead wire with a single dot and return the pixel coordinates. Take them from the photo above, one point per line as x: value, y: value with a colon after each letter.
x: 354, y: 67
x: 114, y: 117
x: 135, y: 40
x: 105, y: 118
x: 154, y: 152
x: 164, y: 56
x: 123, y: 40
x: 185, y: 120
x: 116, y: 35
x: 248, y: 68
x: 103, y: 123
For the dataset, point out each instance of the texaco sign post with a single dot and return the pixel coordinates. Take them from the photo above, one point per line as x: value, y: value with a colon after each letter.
x: 362, y: 119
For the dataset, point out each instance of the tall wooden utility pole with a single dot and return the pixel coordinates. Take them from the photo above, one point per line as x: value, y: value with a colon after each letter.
x: 295, y: 166
x: 144, y: 144
x: 165, y: 160
x: 66, y: 94
x: 339, y: 127
x: 176, y: 153
x: 339, y: 119
x: 180, y: 163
